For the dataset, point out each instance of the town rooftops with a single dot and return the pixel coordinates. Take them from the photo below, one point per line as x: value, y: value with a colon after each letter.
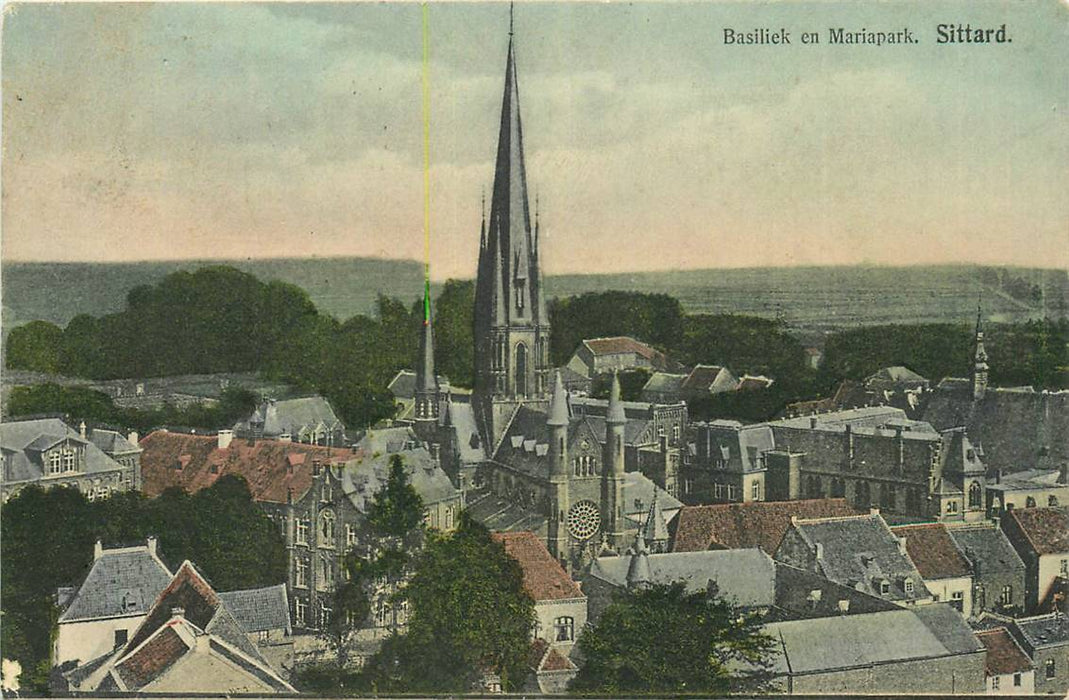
x: 403, y: 384
x: 272, y: 468
x: 111, y: 442
x: 1047, y: 529
x: 746, y: 576
x: 1003, y: 654
x: 933, y: 551
x: 871, y: 420
x: 986, y: 547
x: 895, y: 375
x: 291, y: 417
x: 825, y: 644
x: 742, y: 525
x: 543, y: 577
x: 23, y: 443
x: 1028, y: 480
x: 122, y: 582
x: 664, y: 382
x: 259, y: 609
x: 709, y: 378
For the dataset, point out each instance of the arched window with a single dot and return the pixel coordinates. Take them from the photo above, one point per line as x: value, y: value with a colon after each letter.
x: 565, y: 629
x: 521, y: 370
x: 326, y: 528
x: 975, y: 495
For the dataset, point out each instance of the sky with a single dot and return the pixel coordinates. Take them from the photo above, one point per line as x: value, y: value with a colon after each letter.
x: 190, y: 131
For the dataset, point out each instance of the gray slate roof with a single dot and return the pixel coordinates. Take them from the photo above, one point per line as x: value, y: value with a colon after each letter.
x: 121, y: 583
x: 291, y: 416
x: 746, y: 576
x: 859, y: 551
x: 111, y: 442
x: 469, y: 444
x: 852, y: 641
x: 1017, y: 430
x: 364, y: 475
x: 22, y: 442
x: 1044, y: 630
x: 986, y: 545
x: 259, y: 609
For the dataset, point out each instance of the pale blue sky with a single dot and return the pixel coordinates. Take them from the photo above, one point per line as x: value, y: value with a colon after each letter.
x: 162, y: 131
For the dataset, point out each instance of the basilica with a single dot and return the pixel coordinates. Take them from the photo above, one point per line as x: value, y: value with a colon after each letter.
x: 525, y: 454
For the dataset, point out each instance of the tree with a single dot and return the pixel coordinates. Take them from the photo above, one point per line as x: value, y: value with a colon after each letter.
x: 662, y: 639
x: 34, y: 347
x: 470, y: 615
x: 453, y: 332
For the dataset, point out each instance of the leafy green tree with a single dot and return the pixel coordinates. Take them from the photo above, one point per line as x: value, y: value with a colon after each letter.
x: 469, y: 615
x: 35, y: 347
x: 631, y: 383
x: 453, y: 332
x: 664, y: 640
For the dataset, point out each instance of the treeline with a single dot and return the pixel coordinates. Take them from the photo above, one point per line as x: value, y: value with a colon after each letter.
x: 47, y: 538
x: 1034, y: 353
x: 97, y: 408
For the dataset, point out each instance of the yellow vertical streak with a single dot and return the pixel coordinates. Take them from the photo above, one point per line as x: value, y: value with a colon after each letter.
x: 426, y: 153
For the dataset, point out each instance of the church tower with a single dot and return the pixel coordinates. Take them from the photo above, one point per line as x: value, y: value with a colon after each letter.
x: 979, y: 371
x: 427, y: 394
x: 612, y: 471
x: 511, y: 326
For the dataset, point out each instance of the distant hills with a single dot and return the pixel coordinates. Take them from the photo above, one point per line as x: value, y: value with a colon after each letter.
x: 808, y: 299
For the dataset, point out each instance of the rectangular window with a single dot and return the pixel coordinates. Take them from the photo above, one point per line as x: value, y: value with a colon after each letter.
x: 1049, y: 668
x: 952, y: 506
x: 908, y: 585
x: 1006, y: 597
x: 300, y: 612
x: 757, y: 490
x: 350, y: 536
x: 1017, y: 680
x: 565, y: 629
x: 120, y: 637
x: 1065, y: 566
x: 957, y: 600
x: 449, y: 519
x: 54, y: 465
x: 68, y: 460
x: 994, y: 682
x: 302, y: 532
x: 688, y: 485
x: 301, y: 574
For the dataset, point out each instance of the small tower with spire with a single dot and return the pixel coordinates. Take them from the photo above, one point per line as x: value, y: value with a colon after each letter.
x: 655, y: 529
x: 557, y: 422
x: 612, y: 479
x: 638, y: 569
x: 427, y: 391
x: 979, y: 368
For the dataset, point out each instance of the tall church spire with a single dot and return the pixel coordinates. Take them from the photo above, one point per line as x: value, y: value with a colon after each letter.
x: 426, y: 380
x: 511, y: 325
x: 979, y: 370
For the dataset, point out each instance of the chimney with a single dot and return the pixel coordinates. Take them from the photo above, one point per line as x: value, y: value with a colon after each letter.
x: 819, y: 550
x: 844, y: 606
x: 998, y: 476
x: 902, y: 545
x: 435, y: 450
x: 133, y: 438
x: 873, y: 510
x: 225, y: 438
x: 82, y: 429
x: 285, y: 437
x: 1063, y: 473
x: 813, y: 422
x: 98, y: 550
x: 151, y: 544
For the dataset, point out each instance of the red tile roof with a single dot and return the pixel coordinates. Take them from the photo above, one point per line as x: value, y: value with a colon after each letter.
x: 1047, y: 529
x: 543, y: 577
x: 1003, y: 654
x: 542, y: 657
x: 152, y: 659
x: 744, y: 525
x: 933, y: 551
x: 620, y: 344
x: 271, y: 467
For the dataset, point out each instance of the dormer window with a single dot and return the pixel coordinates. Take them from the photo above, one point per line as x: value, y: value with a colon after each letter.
x: 885, y: 587
x: 54, y: 462
x: 908, y: 585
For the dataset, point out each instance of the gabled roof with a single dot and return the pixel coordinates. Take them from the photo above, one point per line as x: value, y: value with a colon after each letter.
x: 755, y: 524
x: 933, y: 551
x: 290, y: 416
x: 703, y: 377
x: 543, y: 577
x: 1003, y: 654
x: 111, y: 442
x: 187, y: 590
x: 366, y: 472
x: 1047, y: 529
x: 986, y: 548
x: 620, y: 345
x: 267, y: 465
x: 664, y: 382
x: 259, y: 609
x: 896, y: 374
x: 544, y: 657
x: 121, y: 583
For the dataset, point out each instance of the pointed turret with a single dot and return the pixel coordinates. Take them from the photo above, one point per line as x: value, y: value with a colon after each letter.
x: 655, y: 530
x: 980, y: 367
x: 559, y: 411
x: 638, y: 569
x: 426, y: 407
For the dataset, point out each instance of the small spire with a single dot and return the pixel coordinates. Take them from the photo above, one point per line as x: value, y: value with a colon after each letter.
x: 980, y: 312
x: 512, y: 13
x: 559, y: 413
x: 615, y: 413
x: 638, y: 569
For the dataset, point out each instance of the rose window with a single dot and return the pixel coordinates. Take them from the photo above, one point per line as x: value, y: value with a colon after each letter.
x: 584, y: 519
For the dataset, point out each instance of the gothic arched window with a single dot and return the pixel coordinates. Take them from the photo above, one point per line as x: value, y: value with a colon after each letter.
x: 326, y: 528
x: 521, y: 369
x: 975, y: 495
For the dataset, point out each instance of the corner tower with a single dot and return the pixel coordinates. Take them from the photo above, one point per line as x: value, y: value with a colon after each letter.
x: 511, y: 326
x: 979, y: 370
